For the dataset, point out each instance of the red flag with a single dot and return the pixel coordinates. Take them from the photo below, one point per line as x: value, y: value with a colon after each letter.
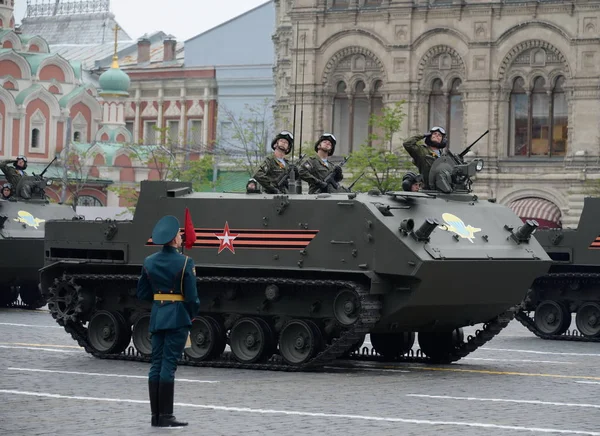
x: 190, y: 233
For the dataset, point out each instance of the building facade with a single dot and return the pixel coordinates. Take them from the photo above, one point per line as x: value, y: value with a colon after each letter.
x: 161, y: 103
x: 40, y: 92
x: 527, y: 71
x: 244, y: 70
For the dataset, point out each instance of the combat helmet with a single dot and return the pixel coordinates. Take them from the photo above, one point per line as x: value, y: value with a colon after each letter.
x: 329, y: 137
x: 288, y: 136
x: 441, y: 130
x: 24, y: 162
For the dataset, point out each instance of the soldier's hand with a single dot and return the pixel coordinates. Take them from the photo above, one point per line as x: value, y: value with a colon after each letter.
x: 338, y: 175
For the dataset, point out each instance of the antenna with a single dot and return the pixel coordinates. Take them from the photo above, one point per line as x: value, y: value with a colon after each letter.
x: 302, y: 92
x: 295, y: 86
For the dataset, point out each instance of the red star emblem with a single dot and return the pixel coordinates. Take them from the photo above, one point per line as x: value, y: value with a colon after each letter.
x: 226, y: 239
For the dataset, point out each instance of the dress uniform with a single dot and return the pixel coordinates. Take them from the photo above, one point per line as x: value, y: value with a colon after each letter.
x: 169, y: 280
x: 315, y: 169
x: 425, y: 153
x: 275, y: 165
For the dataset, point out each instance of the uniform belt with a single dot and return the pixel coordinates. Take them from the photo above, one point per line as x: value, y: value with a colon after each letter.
x: 168, y: 297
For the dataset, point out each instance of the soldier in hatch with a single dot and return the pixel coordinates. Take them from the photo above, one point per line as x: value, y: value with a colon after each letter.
x: 315, y: 169
x: 13, y: 174
x: 425, y: 153
x: 6, y: 191
x: 411, y: 182
x: 252, y: 187
x: 276, y: 165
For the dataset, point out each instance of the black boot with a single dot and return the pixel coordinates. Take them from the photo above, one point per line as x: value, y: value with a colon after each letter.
x: 153, y: 391
x: 165, y: 404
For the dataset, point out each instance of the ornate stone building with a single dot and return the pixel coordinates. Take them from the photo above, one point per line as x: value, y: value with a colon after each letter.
x: 527, y: 71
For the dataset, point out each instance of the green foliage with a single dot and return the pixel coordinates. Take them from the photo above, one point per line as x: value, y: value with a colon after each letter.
x: 383, y: 164
x: 243, y: 143
x: 198, y: 172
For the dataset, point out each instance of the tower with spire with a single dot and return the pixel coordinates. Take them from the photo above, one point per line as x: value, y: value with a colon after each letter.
x: 114, y: 90
x: 7, y: 19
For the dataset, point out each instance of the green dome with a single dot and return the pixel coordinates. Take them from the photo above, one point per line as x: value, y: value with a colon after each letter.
x: 114, y: 82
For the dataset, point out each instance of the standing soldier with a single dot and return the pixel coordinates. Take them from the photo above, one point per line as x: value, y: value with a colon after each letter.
x: 315, y: 169
x: 169, y: 280
x: 275, y: 165
x: 424, y: 154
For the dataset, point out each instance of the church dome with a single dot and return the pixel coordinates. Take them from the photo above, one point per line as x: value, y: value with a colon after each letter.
x: 114, y: 82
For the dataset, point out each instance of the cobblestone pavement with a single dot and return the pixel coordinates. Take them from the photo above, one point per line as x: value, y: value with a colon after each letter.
x: 517, y: 384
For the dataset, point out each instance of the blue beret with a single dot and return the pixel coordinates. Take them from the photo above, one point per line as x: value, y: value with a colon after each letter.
x: 165, y: 230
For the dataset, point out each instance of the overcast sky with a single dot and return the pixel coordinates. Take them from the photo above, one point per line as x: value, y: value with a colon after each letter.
x: 181, y: 18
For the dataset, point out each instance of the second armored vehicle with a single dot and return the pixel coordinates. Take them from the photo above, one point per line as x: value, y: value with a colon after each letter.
x: 572, y: 285
x: 22, y: 224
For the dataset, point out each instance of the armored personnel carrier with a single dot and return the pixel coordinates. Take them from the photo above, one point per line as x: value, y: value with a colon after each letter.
x: 22, y: 223
x: 571, y: 286
x: 296, y: 281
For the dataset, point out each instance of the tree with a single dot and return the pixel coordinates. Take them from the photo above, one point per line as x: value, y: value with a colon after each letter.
x: 244, y: 138
x: 76, y: 165
x: 175, y: 160
x: 383, y: 164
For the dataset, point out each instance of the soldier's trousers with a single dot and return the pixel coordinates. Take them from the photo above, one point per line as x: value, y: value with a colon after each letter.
x: 167, y: 346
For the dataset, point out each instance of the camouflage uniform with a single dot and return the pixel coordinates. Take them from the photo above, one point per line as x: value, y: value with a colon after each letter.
x: 13, y: 175
x: 269, y: 172
x: 314, y: 171
x: 422, y: 155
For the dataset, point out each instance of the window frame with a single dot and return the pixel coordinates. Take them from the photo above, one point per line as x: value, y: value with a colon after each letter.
x: 530, y: 91
x: 448, y: 93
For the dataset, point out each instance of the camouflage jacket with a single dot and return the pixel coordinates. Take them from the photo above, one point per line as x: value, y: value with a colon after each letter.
x: 13, y: 176
x: 314, y: 171
x: 269, y: 172
x: 422, y: 155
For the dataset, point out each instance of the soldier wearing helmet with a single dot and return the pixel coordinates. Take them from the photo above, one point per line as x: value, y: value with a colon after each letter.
x: 315, y: 169
x: 14, y: 173
x: 276, y: 165
x: 425, y: 149
x: 411, y: 182
x: 252, y: 187
x: 7, y: 191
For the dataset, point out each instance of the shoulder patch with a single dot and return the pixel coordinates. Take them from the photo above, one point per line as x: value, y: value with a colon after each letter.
x: 307, y: 165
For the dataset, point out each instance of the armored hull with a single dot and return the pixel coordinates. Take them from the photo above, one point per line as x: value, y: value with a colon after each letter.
x: 292, y: 282
x: 22, y: 248
x: 572, y: 285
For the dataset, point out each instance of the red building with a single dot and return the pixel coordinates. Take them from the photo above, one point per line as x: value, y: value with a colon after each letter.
x: 44, y: 86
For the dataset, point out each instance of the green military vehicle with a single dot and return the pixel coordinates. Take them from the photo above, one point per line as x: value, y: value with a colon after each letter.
x: 22, y: 223
x: 293, y: 282
x: 572, y: 284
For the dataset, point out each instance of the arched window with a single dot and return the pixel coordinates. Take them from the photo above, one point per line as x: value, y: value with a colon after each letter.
x: 437, y: 105
x: 35, y: 138
x: 560, y: 113
x: 538, y: 120
x: 77, y: 137
x: 360, y: 114
x: 88, y: 200
x: 455, y: 116
x: 341, y: 118
x: 447, y: 110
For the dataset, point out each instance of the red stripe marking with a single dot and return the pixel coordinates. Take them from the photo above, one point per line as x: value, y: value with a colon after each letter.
x: 258, y: 235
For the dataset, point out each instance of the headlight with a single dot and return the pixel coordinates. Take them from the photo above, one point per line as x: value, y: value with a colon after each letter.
x: 479, y: 166
x: 48, y: 182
